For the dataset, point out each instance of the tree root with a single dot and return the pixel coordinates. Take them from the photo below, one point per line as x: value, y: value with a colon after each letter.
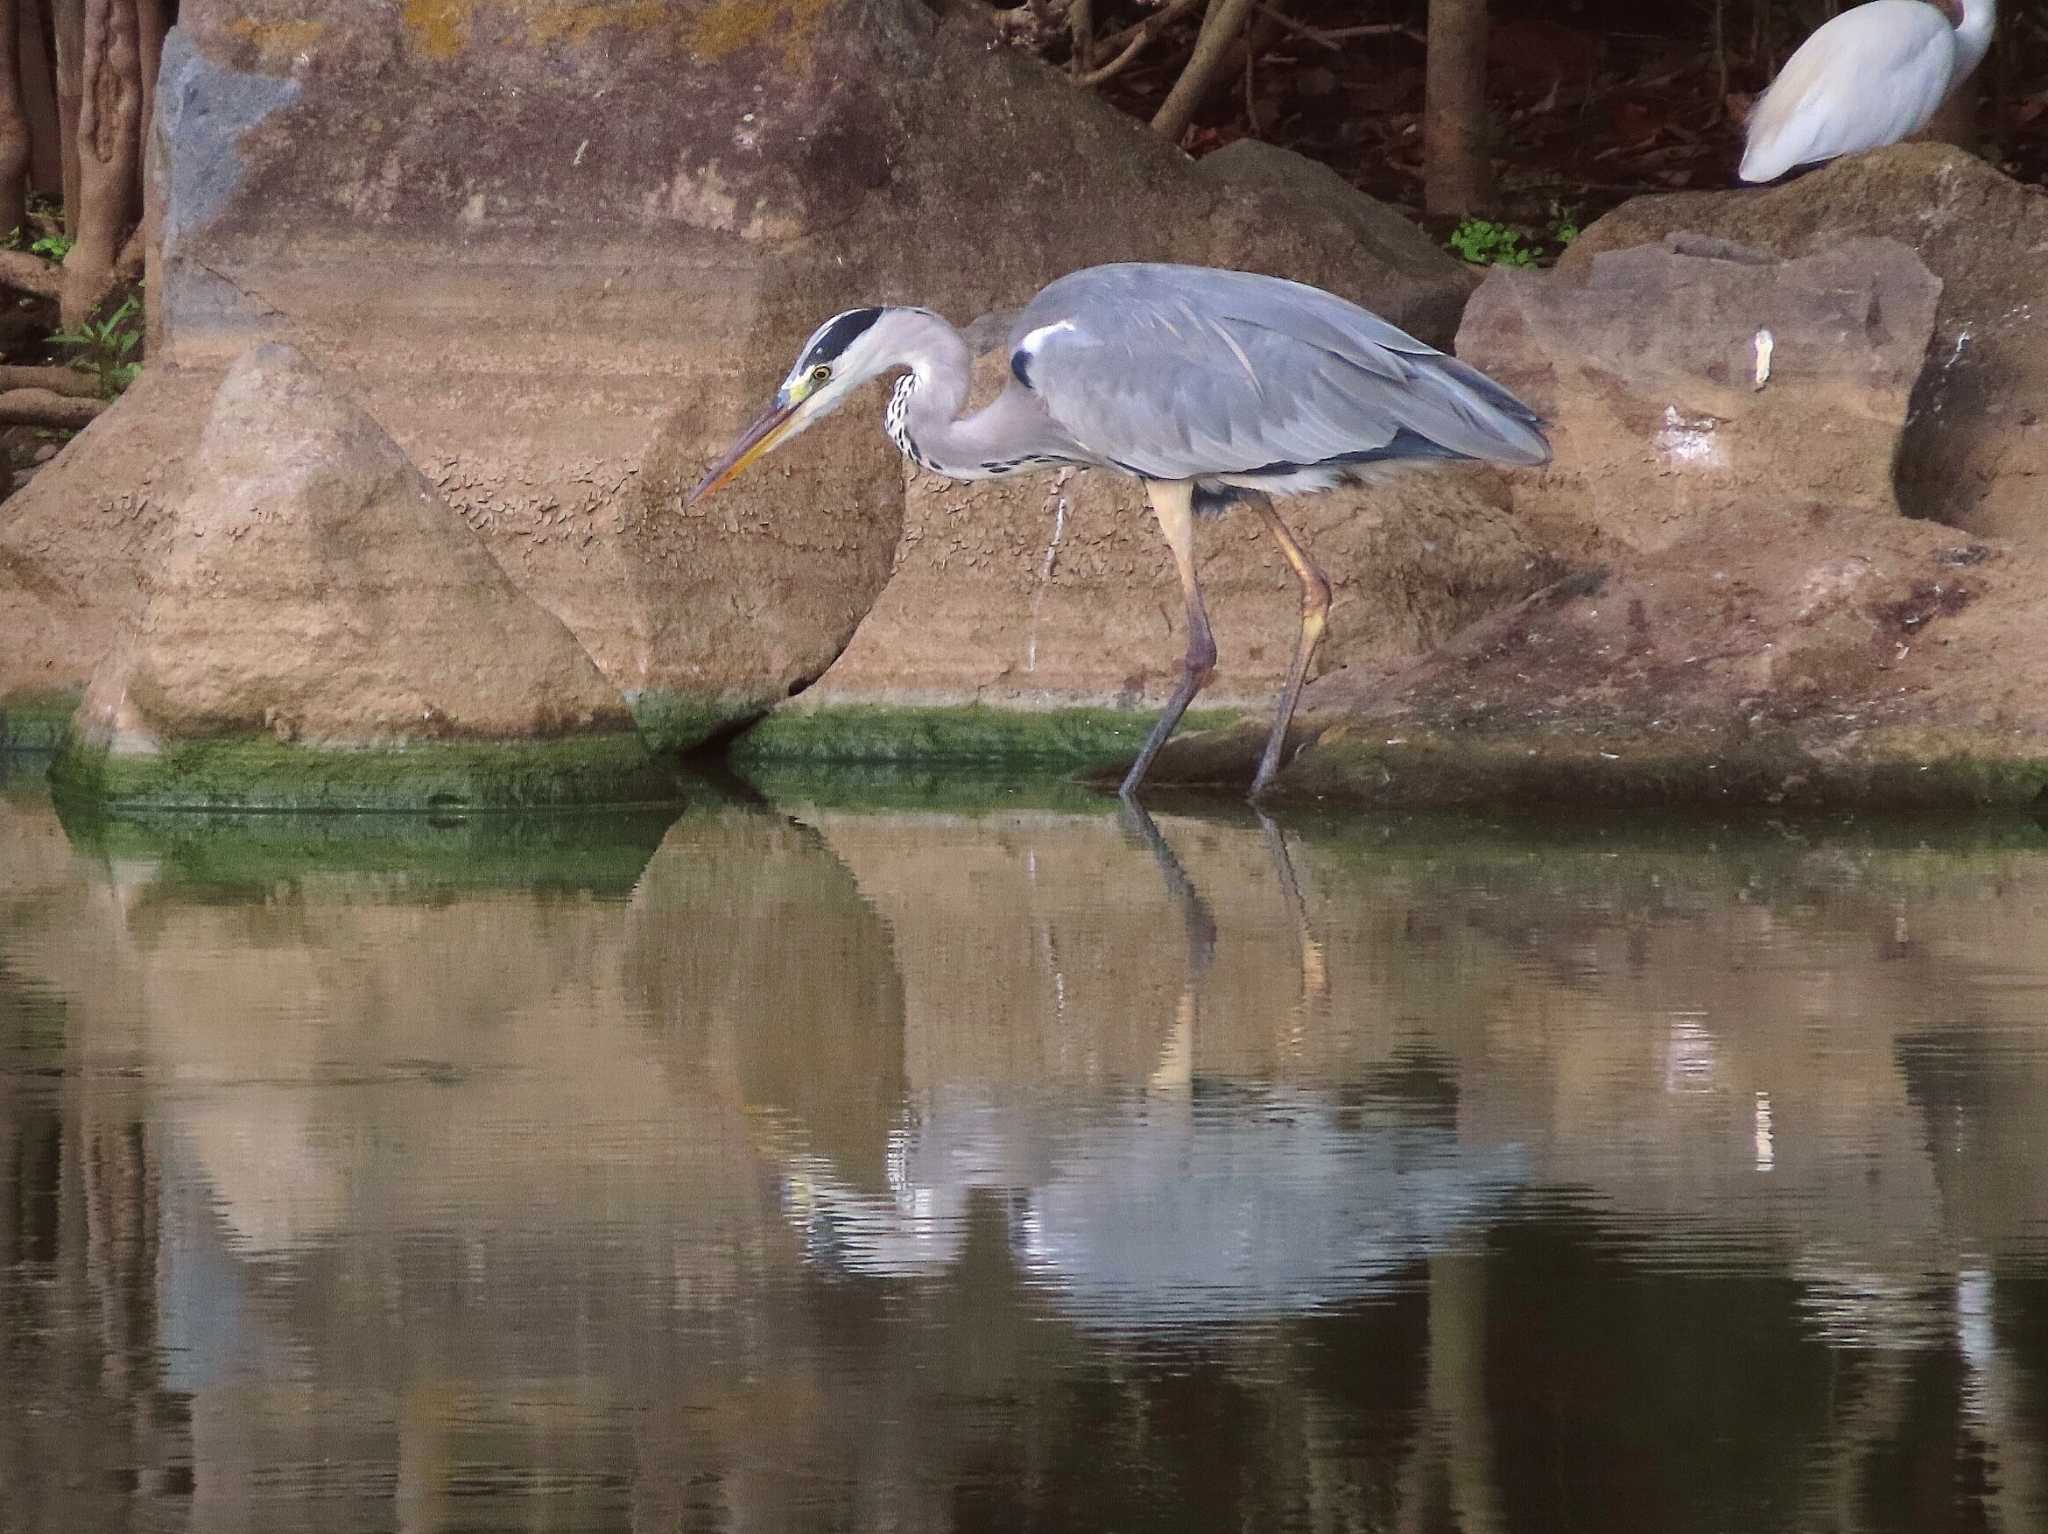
x: 44, y: 407
x: 30, y: 274
x: 50, y: 380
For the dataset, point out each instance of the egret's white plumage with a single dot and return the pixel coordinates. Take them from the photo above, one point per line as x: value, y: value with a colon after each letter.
x: 1872, y: 76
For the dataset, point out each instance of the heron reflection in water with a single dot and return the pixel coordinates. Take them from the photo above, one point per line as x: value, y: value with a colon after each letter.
x: 1213, y: 387
x: 1188, y: 1201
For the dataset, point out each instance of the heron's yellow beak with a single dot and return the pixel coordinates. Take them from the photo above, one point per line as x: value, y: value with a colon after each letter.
x: 769, y: 428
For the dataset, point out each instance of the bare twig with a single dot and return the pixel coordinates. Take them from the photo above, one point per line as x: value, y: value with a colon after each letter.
x: 1334, y: 40
x: 1081, y: 30
x: 1219, y: 26
x: 40, y: 407
x: 1115, y: 66
x: 1150, y: 26
x: 1134, y: 39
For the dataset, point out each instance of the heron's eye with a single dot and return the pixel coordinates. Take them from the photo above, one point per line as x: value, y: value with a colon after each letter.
x: 820, y: 373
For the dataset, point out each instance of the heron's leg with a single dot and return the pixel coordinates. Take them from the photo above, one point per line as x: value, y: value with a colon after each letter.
x: 1315, y: 613
x: 1173, y: 503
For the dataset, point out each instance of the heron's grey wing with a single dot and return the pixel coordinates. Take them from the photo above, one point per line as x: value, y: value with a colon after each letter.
x: 1177, y: 372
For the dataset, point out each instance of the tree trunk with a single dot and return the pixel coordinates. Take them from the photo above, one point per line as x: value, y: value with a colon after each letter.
x: 149, y: 38
x: 109, y: 154
x: 67, y: 22
x: 1457, y: 175
x: 39, y: 102
x: 14, y: 140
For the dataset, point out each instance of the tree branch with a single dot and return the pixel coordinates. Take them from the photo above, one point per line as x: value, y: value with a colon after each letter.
x: 1219, y: 26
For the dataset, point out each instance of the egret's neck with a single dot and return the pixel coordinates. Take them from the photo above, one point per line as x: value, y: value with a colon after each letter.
x: 1973, y: 36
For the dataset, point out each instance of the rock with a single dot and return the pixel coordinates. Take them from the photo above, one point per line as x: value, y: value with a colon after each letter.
x: 1412, y: 272
x: 75, y: 540
x: 1852, y: 659
x: 1977, y: 448
x: 562, y: 328
x: 322, y: 629
x: 1751, y: 619
x: 1689, y: 379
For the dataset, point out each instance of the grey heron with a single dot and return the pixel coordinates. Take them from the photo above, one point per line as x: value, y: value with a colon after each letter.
x: 1210, y: 386
x: 1873, y: 75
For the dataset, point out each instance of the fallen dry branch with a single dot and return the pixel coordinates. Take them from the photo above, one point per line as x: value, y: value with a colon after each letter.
x: 42, y: 407
x: 1133, y: 40
x: 52, y: 380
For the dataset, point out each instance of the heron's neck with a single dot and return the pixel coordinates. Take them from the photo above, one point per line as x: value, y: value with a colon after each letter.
x: 924, y: 418
x: 1973, y: 36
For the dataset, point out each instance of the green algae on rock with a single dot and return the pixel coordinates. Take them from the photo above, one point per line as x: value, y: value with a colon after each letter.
x: 397, y: 856
x: 259, y: 772
x: 1409, y: 768
x: 1077, y: 739
x: 35, y: 721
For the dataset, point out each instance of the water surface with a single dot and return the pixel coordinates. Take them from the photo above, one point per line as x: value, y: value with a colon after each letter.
x: 821, y: 1165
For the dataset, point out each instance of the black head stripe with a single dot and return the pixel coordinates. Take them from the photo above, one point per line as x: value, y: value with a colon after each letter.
x: 838, y: 333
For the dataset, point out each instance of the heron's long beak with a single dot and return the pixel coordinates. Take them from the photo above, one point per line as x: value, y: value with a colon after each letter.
x: 769, y: 428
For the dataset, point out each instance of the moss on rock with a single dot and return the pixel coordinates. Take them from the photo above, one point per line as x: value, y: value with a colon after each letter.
x: 680, y: 721
x: 1889, y: 770
x: 35, y: 721
x: 260, y: 772
x: 1075, y: 739
x: 602, y: 851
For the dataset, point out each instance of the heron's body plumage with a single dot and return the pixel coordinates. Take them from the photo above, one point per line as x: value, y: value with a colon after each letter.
x: 1231, y: 379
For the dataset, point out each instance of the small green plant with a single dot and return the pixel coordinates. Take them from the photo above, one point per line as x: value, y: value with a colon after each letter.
x: 1485, y: 243
x: 53, y: 247
x: 107, y: 346
x: 1564, y: 224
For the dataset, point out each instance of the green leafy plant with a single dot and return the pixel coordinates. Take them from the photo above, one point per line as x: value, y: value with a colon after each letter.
x: 106, y: 346
x: 53, y: 247
x: 1485, y: 243
x: 1564, y: 223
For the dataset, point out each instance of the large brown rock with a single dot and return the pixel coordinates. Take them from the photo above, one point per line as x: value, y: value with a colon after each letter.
x: 1976, y: 448
x: 1685, y: 380
x: 564, y: 250
x: 314, y: 589
x: 1751, y: 618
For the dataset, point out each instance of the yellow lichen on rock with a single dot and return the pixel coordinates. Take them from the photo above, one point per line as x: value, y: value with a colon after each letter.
x: 278, y: 39
x: 551, y: 21
x: 726, y: 26
x: 440, y: 27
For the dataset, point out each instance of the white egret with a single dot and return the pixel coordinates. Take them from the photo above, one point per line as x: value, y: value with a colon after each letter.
x: 1872, y: 76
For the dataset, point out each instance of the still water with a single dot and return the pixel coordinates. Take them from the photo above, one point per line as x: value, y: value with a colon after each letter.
x: 846, y: 1163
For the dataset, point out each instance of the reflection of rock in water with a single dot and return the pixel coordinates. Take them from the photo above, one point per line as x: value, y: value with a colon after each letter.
x: 1236, y: 1202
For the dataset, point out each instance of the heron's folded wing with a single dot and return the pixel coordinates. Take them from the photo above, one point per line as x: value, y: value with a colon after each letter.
x: 1175, y: 373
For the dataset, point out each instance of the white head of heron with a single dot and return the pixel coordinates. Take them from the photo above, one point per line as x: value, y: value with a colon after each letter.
x: 848, y: 350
